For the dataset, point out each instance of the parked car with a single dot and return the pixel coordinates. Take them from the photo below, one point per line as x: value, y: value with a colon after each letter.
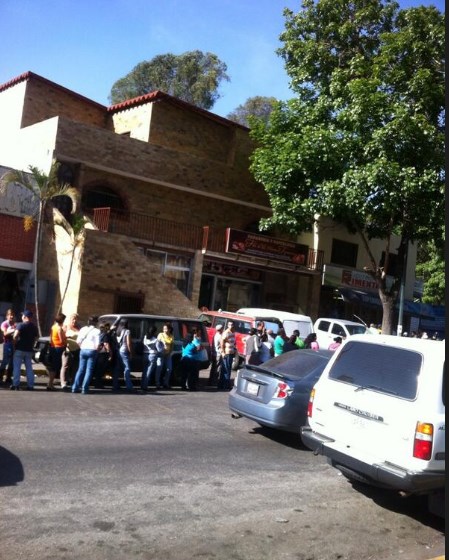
x: 378, y: 413
x: 242, y: 323
x: 327, y: 329
x: 276, y: 393
x: 139, y: 325
x: 289, y: 321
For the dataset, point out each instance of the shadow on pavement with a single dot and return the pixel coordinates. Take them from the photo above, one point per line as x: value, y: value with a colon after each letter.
x: 11, y: 469
x: 285, y: 438
x: 412, y: 506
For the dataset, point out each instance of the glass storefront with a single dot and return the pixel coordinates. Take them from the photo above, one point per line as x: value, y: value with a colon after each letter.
x: 227, y: 286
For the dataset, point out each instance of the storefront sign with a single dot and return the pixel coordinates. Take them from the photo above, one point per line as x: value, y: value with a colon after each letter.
x: 355, y: 279
x: 252, y: 244
x: 230, y: 270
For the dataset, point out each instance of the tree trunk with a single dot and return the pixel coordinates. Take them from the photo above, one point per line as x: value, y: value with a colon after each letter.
x: 68, y: 281
x: 37, y: 246
x: 388, y: 312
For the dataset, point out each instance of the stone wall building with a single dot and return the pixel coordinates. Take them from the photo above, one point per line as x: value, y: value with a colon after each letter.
x: 173, y: 208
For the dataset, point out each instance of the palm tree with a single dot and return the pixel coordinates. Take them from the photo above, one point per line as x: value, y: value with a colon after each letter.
x: 43, y: 188
x: 76, y: 231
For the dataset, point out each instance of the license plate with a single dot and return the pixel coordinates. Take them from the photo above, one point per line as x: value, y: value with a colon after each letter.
x: 252, y: 388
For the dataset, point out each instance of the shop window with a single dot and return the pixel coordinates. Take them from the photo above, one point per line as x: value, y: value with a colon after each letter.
x: 344, y: 253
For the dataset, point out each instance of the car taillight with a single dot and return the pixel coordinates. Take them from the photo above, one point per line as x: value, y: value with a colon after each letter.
x: 282, y: 391
x: 310, y: 405
x: 422, y: 447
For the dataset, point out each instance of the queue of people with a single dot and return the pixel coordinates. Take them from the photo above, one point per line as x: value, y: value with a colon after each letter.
x: 81, y: 356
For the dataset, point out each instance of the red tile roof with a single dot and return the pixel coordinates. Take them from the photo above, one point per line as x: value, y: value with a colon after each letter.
x: 142, y: 99
x: 26, y: 76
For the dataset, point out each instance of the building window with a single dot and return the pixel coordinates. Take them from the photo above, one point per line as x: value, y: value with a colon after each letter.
x: 344, y: 253
x: 174, y: 267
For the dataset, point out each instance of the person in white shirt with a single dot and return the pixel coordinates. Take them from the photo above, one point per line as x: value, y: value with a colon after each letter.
x: 88, y: 340
x: 217, y: 358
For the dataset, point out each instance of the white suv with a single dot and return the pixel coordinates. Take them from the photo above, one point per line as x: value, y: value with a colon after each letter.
x: 327, y: 329
x: 378, y: 413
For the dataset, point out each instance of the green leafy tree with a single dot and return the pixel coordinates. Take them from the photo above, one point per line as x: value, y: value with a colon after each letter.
x: 193, y: 76
x: 257, y: 107
x: 44, y: 188
x: 431, y: 268
x: 363, y: 140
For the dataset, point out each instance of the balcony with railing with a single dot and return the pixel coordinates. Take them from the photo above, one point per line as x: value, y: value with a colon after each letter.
x: 166, y: 233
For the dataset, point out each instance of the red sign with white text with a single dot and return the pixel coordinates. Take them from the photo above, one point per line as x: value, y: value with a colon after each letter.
x: 253, y: 244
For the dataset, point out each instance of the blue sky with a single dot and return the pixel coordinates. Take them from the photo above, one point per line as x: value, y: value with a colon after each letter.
x: 86, y: 45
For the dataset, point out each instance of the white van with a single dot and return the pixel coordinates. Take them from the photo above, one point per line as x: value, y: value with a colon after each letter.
x: 290, y: 321
x: 327, y: 329
x: 378, y: 413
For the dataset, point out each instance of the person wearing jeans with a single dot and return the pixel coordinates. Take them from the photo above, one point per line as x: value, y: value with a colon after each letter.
x: 24, y: 337
x: 153, y: 347
x: 123, y: 355
x: 88, y: 341
x: 7, y: 365
x: 228, y: 351
x: 164, y: 359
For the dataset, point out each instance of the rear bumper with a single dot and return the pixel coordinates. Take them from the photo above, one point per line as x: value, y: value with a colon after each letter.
x: 382, y: 474
x: 286, y: 418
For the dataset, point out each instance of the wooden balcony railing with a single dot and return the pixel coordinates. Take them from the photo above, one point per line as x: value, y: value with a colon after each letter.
x: 166, y: 232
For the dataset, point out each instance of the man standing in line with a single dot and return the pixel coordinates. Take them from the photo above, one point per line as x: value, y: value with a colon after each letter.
x: 24, y: 339
x: 217, y: 358
x: 228, y: 354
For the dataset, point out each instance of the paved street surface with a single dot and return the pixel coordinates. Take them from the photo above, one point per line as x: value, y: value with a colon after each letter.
x: 171, y: 476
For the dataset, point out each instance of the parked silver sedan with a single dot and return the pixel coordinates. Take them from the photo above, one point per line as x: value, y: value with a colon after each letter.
x: 276, y: 393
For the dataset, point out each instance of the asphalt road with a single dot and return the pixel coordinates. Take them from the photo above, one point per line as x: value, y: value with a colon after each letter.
x: 171, y: 476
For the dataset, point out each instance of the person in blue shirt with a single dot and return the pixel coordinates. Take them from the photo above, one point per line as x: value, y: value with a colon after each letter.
x: 190, y: 361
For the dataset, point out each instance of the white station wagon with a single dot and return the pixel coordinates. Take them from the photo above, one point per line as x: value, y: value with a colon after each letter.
x: 378, y: 413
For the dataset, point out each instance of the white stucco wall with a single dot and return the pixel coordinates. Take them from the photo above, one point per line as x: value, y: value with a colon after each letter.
x: 32, y: 145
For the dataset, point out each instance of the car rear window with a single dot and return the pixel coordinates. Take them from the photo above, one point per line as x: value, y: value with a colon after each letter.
x: 298, y: 363
x: 385, y: 369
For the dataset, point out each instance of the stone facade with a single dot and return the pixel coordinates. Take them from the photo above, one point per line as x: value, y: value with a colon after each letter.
x: 162, y: 159
x: 112, y: 265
